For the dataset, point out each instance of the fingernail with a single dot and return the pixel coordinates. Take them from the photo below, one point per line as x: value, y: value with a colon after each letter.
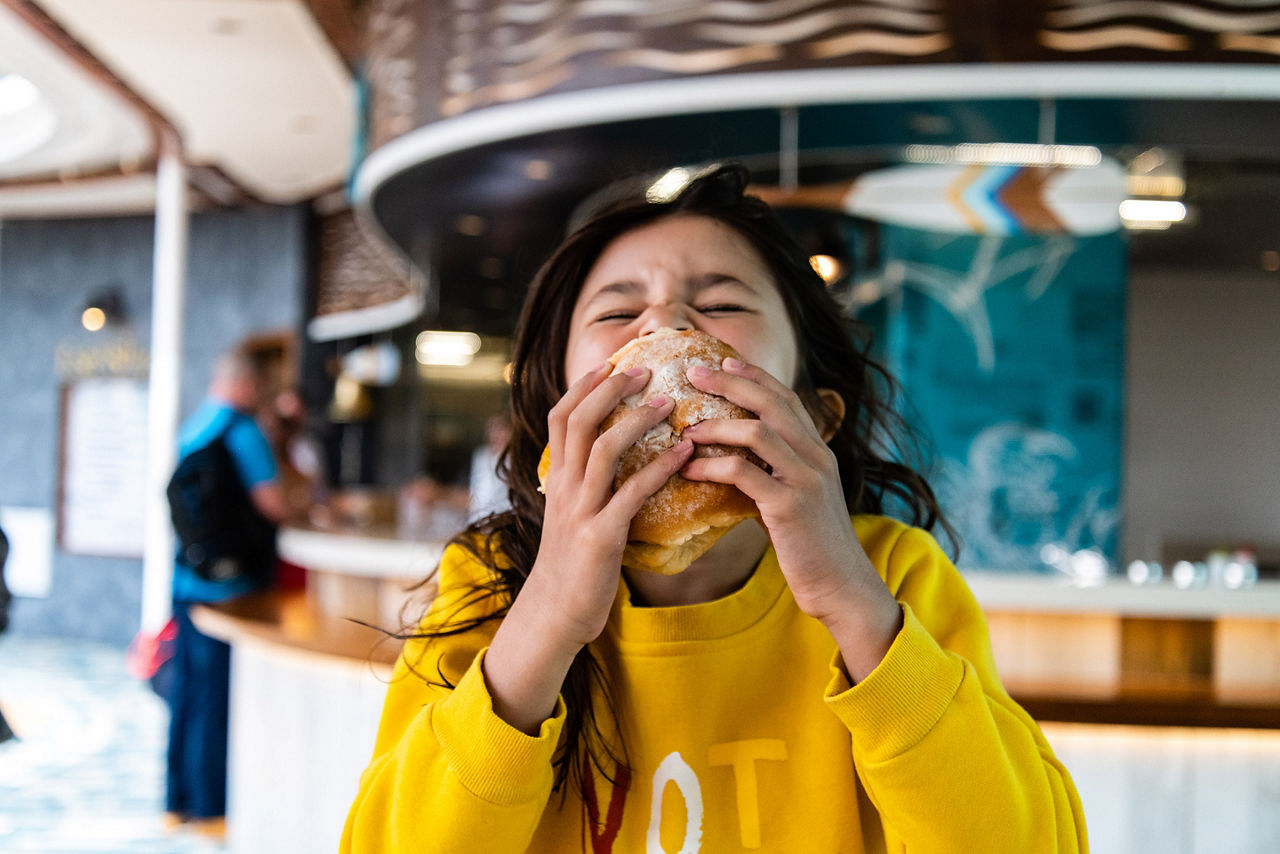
x: 659, y: 402
x: 634, y: 372
x: 602, y: 367
x: 699, y: 372
x: 732, y: 364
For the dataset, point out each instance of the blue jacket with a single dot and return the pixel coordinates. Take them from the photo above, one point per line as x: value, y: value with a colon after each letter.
x: 256, y: 464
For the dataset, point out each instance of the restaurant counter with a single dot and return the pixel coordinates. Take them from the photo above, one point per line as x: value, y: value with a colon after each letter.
x: 310, y: 670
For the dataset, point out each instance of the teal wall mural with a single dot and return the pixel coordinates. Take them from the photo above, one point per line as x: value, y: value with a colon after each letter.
x: 1010, y: 351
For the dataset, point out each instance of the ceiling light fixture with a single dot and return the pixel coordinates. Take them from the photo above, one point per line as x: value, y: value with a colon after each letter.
x: 1151, y: 213
x: 27, y: 119
x: 1005, y: 154
x: 471, y: 225
x: 93, y: 318
x: 826, y: 266
x: 103, y: 307
x: 438, y: 347
x: 1166, y: 186
x: 17, y: 93
x: 538, y: 170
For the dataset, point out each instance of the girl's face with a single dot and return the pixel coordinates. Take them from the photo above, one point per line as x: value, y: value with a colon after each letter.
x: 688, y: 272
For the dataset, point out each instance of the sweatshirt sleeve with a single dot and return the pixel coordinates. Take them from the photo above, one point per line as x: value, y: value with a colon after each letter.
x: 448, y: 774
x: 949, y: 760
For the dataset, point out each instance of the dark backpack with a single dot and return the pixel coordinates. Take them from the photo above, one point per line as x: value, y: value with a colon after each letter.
x: 221, y: 535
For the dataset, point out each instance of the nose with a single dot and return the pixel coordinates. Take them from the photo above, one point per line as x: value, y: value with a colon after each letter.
x: 674, y: 315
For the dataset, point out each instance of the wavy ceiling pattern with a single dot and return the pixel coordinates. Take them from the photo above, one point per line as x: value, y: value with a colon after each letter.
x: 1169, y: 26
x: 506, y: 51
x: 433, y: 59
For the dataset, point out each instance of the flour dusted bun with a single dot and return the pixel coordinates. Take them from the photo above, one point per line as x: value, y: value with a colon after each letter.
x: 683, y: 518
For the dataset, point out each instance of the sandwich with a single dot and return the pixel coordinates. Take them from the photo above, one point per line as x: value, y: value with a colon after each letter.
x: 684, y: 518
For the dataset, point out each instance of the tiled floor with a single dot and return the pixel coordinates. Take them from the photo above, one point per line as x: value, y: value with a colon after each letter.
x: 86, y: 775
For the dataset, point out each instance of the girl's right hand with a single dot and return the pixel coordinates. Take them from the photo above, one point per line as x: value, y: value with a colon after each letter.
x: 566, y: 599
x: 585, y: 523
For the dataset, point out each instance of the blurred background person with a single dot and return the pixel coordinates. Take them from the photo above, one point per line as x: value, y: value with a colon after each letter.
x: 488, y: 490
x: 298, y: 471
x: 5, y: 732
x: 196, y: 782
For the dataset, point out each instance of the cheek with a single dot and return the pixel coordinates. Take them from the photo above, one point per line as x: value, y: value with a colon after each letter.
x: 777, y: 355
x: 583, y: 355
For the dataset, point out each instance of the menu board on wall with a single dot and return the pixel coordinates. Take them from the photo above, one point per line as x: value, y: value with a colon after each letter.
x: 102, y: 488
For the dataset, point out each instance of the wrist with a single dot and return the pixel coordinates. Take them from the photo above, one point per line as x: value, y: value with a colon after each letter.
x: 864, y: 633
x: 525, y: 668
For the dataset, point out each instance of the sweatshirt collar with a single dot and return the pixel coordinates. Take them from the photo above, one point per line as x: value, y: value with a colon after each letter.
x: 720, y: 618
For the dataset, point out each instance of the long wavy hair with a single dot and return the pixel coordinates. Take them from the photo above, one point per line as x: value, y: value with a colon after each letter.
x: 873, y: 444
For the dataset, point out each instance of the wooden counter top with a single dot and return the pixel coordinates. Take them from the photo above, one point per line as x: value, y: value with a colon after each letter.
x: 287, y: 621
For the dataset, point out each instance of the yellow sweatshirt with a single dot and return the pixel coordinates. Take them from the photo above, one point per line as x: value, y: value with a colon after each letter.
x: 743, y: 733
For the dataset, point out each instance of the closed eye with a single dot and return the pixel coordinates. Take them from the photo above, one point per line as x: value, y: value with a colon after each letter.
x: 617, y: 315
x: 721, y: 308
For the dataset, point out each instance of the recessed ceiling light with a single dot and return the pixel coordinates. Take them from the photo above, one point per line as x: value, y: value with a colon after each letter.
x: 538, y: 170
x: 470, y: 225
x: 27, y: 119
x: 17, y: 93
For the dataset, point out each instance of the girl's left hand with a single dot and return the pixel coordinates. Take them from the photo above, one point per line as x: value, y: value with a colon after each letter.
x: 801, y: 505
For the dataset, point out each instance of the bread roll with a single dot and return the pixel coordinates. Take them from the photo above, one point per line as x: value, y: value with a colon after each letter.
x: 683, y: 518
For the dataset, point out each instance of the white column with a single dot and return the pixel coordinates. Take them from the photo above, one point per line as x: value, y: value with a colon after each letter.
x: 168, y: 294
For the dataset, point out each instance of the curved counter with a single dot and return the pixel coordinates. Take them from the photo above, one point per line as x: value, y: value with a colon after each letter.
x: 308, y: 684
x: 370, y: 574
x: 308, y: 677
x: 367, y: 552
x: 306, y: 695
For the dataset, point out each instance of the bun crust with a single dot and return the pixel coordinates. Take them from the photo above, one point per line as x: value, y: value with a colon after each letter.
x: 683, y: 518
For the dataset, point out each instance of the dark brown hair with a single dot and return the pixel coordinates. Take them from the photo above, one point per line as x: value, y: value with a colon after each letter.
x: 871, y: 445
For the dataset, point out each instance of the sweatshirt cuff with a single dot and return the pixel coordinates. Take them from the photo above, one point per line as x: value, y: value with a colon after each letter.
x: 492, y: 759
x: 901, y: 700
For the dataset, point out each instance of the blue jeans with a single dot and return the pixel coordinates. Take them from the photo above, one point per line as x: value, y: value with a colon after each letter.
x: 196, y: 783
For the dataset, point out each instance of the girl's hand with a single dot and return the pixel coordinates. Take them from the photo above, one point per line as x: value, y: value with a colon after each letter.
x: 565, y: 602
x: 802, y: 507
x: 584, y: 529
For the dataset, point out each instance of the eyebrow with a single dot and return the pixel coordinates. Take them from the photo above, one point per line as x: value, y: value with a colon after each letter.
x: 627, y: 287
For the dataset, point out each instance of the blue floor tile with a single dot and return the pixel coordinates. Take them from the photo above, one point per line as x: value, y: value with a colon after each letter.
x: 86, y: 773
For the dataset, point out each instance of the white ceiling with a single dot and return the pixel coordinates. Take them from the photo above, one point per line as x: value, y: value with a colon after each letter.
x: 254, y: 88
x: 74, y: 124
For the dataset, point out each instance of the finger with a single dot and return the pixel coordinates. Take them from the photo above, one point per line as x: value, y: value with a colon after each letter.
x: 557, y: 418
x: 733, y: 470
x: 750, y: 387
x: 756, y: 390
x: 626, y: 502
x: 751, y: 434
x: 612, y: 443
x: 582, y: 424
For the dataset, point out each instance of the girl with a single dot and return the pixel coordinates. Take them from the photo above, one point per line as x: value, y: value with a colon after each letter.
x: 813, y: 683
